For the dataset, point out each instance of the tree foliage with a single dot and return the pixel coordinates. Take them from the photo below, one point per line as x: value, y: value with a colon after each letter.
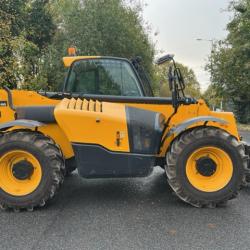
x: 161, y: 81
x: 212, y: 98
x: 35, y: 35
x: 107, y: 27
x: 230, y: 62
x: 26, y: 30
x: 11, y: 25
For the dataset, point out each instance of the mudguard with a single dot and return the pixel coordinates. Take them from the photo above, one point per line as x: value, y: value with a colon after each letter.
x: 186, y: 124
x: 21, y: 123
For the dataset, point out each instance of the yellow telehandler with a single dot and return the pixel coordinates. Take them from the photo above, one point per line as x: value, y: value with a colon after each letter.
x: 107, y: 123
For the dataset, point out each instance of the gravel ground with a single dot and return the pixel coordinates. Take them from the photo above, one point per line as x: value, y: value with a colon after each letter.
x: 126, y: 214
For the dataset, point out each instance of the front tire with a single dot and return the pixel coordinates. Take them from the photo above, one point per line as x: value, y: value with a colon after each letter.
x: 206, y: 167
x: 31, y: 170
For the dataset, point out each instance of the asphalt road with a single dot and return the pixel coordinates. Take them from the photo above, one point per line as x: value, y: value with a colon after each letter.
x: 246, y: 136
x: 126, y: 214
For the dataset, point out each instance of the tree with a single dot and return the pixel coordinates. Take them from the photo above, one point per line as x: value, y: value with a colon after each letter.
x: 161, y: 82
x: 230, y: 62
x: 211, y: 97
x: 26, y: 30
x: 107, y: 27
x: 10, y: 39
x: 39, y: 32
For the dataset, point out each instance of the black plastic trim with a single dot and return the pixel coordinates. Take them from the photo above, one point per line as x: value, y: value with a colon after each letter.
x: 95, y: 161
x: 187, y: 123
x: 110, y: 98
x: 37, y: 113
x: 145, y: 130
x: 10, y: 99
x: 20, y: 123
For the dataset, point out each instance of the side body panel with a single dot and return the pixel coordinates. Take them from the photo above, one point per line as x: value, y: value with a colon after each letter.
x: 91, y: 125
x: 186, y: 112
x: 114, y: 118
x: 110, y: 140
x: 22, y: 98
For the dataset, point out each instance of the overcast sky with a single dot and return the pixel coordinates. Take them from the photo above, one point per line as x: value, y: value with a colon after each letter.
x: 180, y: 22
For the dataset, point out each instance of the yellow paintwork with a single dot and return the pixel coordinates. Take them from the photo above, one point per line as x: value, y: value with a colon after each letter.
x: 68, y: 60
x: 12, y: 185
x: 94, y: 123
x: 31, y: 98
x: 78, y: 124
x: 57, y: 134
x: 186, y: 112
x: 22, y: 98
x: 221, y: 176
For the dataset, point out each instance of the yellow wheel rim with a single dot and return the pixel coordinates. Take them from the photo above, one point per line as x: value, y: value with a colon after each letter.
x: 210, y: 177
x: 13, y: 184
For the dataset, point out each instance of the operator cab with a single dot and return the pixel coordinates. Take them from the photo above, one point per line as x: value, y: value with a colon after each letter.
x: 114, y: 79
x: 103, y: 76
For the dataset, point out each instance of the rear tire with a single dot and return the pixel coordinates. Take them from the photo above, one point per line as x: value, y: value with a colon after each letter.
x: 225, y: 165
x: 19, y: 149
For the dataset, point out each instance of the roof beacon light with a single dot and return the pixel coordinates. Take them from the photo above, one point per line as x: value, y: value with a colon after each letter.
x: 72, y: 51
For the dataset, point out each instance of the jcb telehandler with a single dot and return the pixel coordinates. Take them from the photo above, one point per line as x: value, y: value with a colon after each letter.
x: 107, y: 123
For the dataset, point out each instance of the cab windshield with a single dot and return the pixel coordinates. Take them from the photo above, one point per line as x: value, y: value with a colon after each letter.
x: 103, y: 77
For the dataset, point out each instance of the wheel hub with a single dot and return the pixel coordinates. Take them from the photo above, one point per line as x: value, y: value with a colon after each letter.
x: 22, y: 170
x: 206, y: 166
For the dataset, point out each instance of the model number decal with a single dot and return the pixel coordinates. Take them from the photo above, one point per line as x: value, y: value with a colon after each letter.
x: 3, y: 104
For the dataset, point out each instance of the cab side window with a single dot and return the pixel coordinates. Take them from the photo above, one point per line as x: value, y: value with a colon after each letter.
x: 103, y: 77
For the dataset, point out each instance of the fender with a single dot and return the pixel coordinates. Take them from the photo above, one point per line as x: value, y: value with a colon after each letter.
x: 186, y: 124
x: 21, y: 123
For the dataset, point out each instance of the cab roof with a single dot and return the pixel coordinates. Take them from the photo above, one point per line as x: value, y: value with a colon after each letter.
x: 68, y: 60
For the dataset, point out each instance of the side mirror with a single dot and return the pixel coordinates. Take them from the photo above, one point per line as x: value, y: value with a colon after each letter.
x: 163, y: 59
